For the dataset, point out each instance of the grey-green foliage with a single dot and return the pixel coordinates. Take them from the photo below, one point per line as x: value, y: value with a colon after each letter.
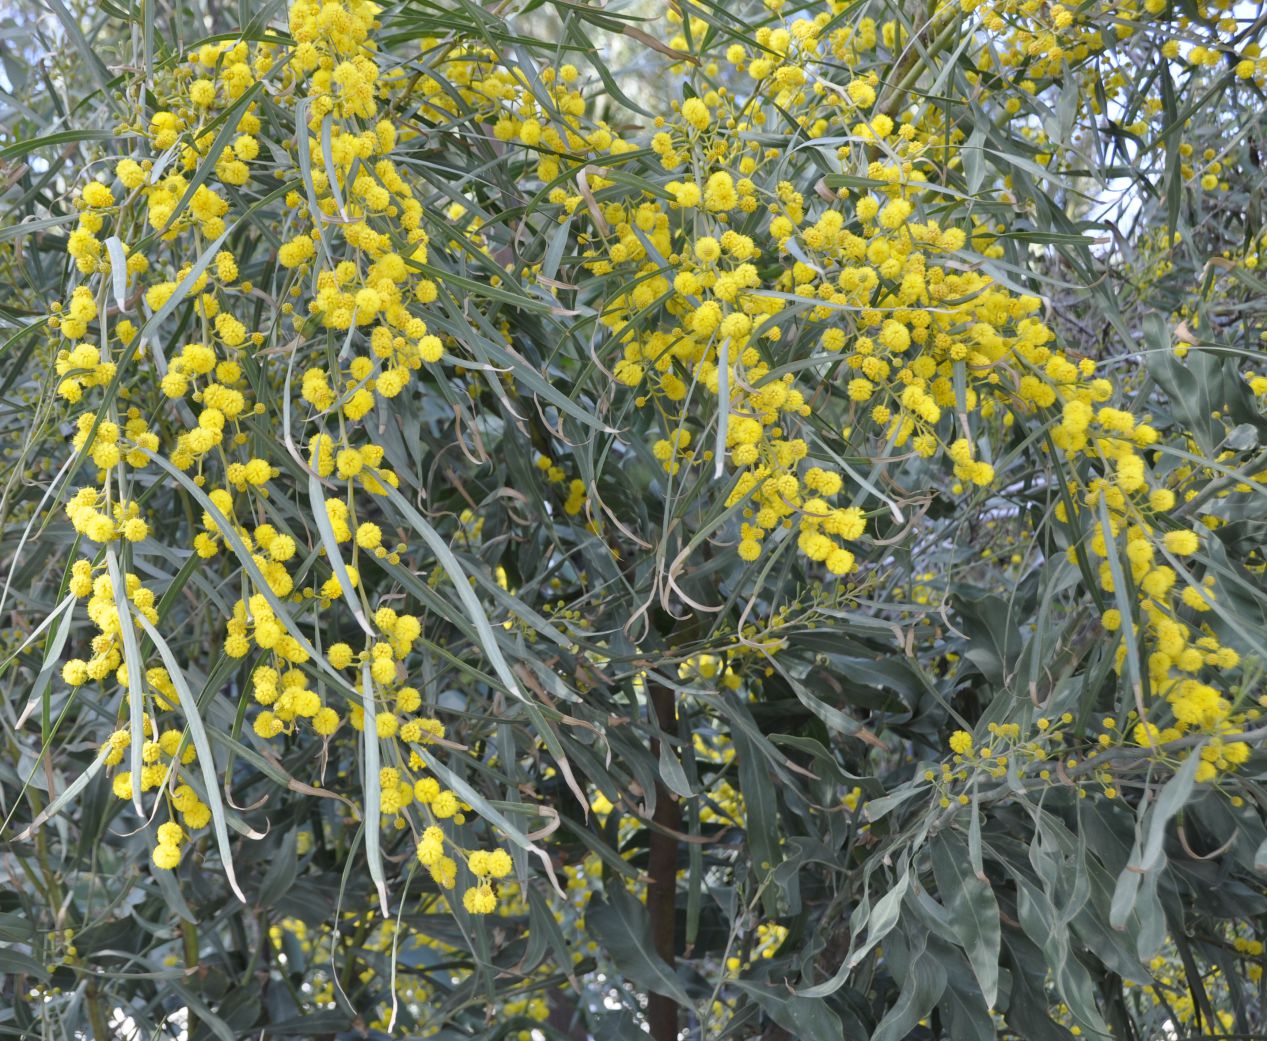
x: 1035, y: 906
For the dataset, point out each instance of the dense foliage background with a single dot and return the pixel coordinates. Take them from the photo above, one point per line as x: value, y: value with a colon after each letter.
x: 557, y: 520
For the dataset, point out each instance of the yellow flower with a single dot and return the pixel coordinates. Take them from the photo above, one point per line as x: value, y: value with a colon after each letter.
x: 165, y: 856
x: 202, y: 93
x: 1182, y: 542
x: 695, y: 112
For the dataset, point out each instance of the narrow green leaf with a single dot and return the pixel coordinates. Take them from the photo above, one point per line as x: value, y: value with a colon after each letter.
x: 136, y: 676
x: 333, y: 553
x: 672, y: 774
x: 923, y: 984
x: 373, y: 787
x: 18, y: 963
x: 206, y: 761
x: 462, y: 586
x: 762, y: 820
x: 52, y: 652
x: 621, y: 924
x: 1170, y: 800
x: 68, y: 796
x: 973, y: 911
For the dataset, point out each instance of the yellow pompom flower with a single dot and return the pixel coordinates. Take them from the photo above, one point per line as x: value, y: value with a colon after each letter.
x: 165, y: 856
x: 1182, y: 542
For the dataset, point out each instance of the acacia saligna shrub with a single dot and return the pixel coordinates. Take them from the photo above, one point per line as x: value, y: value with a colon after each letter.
x: 722, y: 521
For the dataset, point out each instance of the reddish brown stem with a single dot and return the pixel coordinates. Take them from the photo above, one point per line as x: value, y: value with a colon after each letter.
x: 662, y: 1010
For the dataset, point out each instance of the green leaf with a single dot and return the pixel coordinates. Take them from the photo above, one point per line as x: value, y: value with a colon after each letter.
x: 621, y: 925
x: 66, y: 798
x: 878, y: 921
x: 373, y: 787
x: 16, y: 963
x: 16, y: 929
x: 994, y: 643
x: 973, y: 911
x: 62, y: 137
x: 1049, y: 931
x: 52, y: 649
x: 923, y: 978
x: 283, y: 866
x: 334, y: 555
x: 974, y: 159
x: 762, y: 821
x: 462, y: 587
x: 672, y: 774
x: 136, y: 676
x: 206, y: 761
x: 801, y: 1017
x: 1170, y: 800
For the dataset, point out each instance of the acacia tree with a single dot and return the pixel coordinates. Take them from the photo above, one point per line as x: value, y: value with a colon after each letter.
x: 553, y: 521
